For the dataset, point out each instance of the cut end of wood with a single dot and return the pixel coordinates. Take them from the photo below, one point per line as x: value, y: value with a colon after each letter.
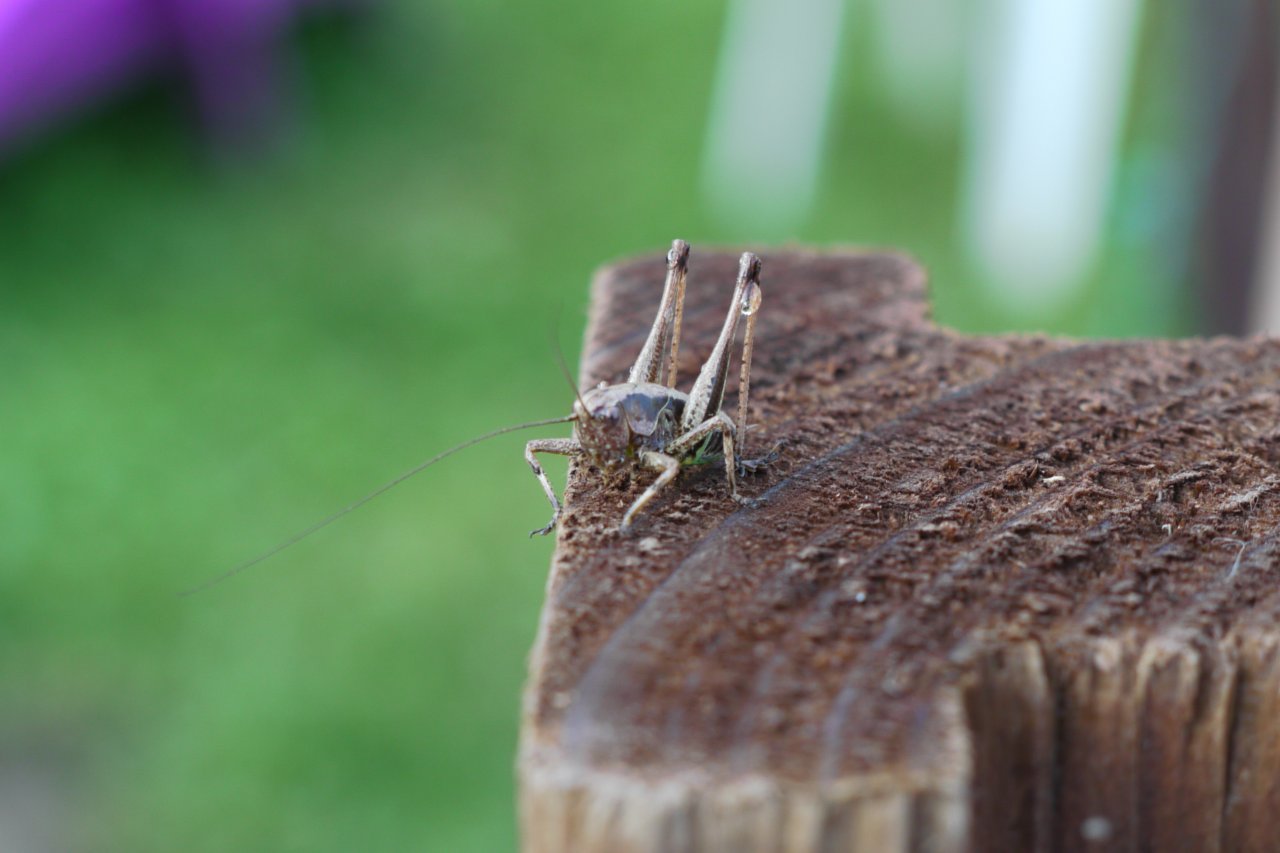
x: 996, y: 593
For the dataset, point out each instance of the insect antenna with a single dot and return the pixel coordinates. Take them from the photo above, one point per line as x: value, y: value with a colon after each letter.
x: 385, y: 487
x: 564, y: 365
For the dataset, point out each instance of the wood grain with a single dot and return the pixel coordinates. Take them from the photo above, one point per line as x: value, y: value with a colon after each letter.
x: 997, y: 593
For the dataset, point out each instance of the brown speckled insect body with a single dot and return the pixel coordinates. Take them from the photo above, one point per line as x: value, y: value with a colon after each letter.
x: 646, y: 422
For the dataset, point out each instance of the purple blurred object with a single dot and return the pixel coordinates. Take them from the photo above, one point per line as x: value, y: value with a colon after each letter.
x: 59, y: 55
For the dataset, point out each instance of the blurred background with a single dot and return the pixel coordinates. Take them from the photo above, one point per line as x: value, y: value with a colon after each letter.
x: 258, y: 257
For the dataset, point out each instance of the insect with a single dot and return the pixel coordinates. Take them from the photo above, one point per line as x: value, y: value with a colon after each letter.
x: 641, y: 423
x: 646, y: 422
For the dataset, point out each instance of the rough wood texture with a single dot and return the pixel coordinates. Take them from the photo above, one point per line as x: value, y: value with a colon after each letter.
x: 1007, y: 593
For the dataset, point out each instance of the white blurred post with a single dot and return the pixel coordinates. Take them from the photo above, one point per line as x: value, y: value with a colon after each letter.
x: 1050, y: 83
x: 1264, y: 313
x: 769, y: 112
x: 920, y: 49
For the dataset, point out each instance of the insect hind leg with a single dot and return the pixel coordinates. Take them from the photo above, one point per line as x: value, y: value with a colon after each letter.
x: 650, y: 365
x: 757, y: 464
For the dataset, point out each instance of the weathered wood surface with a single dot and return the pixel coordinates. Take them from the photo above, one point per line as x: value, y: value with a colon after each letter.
x: 999, y: 593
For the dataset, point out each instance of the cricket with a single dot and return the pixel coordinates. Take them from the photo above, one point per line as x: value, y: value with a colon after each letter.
x: 643, y: 424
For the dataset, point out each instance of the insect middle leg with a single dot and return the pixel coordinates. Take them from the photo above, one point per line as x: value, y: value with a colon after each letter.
x: 562, y: 446
x: 717, y: 423
x: 668, y: 465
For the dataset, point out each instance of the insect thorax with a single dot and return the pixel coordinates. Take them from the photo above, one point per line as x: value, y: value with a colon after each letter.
x: 623, y: 420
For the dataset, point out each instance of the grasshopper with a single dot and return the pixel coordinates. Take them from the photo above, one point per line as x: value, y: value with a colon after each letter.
x: 646, y: 422
x: 643, y: 422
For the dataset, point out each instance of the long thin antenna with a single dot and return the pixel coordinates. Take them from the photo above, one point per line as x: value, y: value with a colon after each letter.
x: 564, y: 365
x: 327, y: 520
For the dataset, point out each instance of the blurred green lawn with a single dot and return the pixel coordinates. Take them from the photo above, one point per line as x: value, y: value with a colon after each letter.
x: 196, y: 362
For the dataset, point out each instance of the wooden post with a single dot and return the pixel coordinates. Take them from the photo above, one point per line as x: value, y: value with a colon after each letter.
x: 999, y: 593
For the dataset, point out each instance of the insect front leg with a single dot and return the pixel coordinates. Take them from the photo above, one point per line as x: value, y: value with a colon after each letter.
x: 562, y: 446
x: 718, y: 423
x: 668, y: 465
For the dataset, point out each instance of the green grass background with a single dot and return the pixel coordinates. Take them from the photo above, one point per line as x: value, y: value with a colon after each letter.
x: 196, y: 360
